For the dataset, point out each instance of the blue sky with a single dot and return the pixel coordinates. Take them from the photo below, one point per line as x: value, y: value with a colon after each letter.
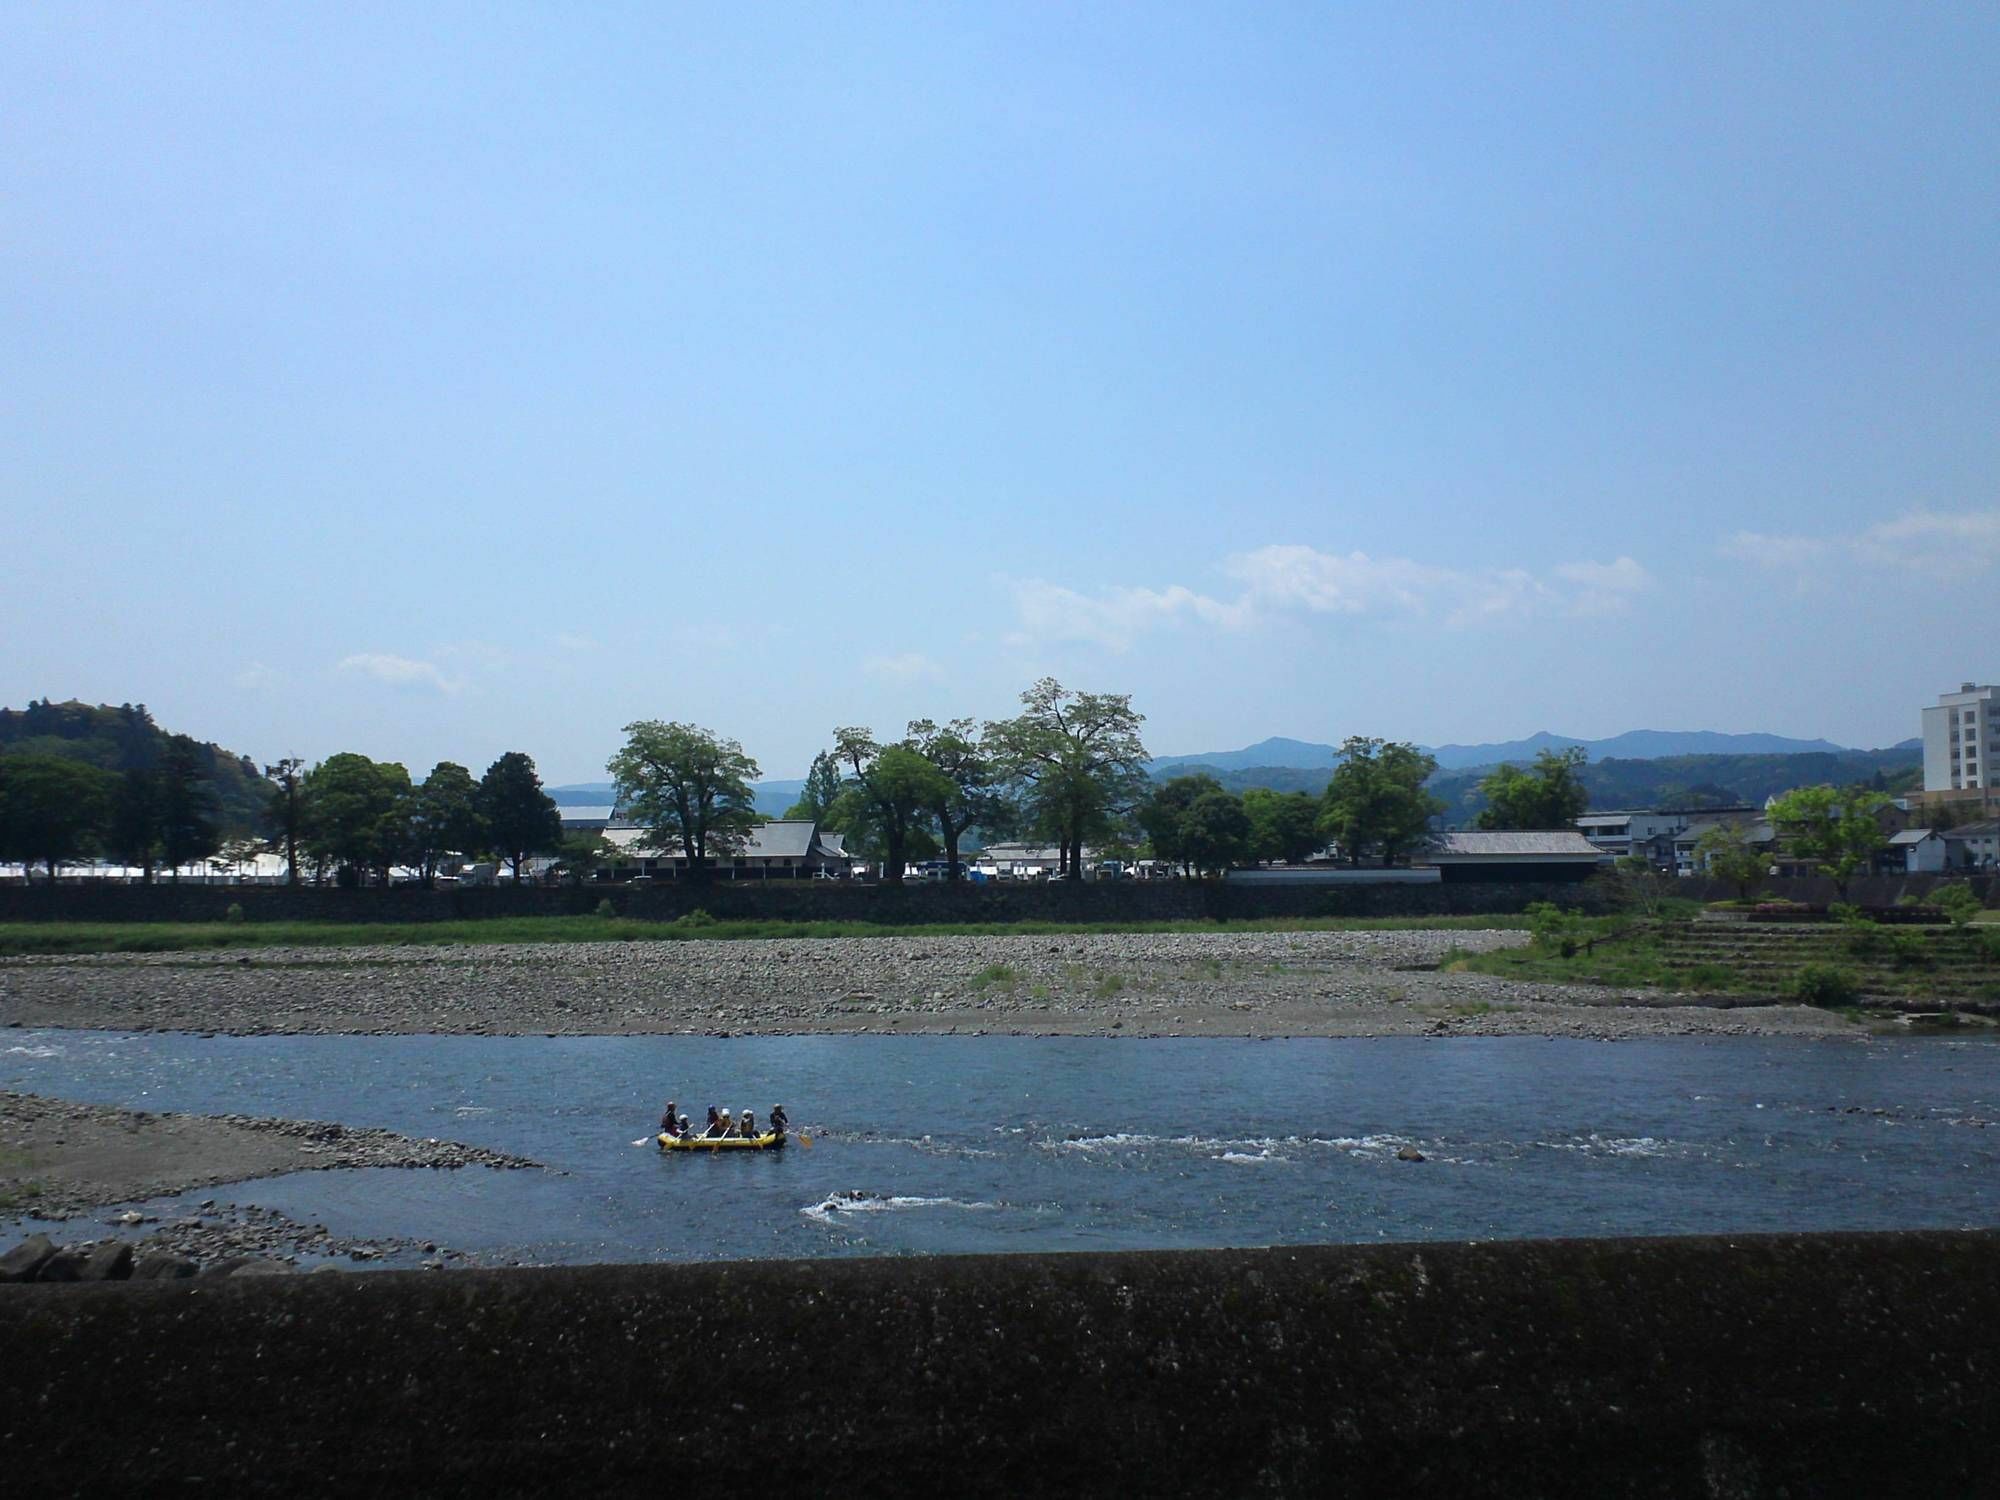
x: 436, y: 382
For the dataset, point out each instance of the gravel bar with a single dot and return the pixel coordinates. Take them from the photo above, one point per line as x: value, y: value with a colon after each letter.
x: 1147, y: 985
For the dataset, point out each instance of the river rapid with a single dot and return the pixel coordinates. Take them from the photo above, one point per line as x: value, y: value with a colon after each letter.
x: 946, y: 1144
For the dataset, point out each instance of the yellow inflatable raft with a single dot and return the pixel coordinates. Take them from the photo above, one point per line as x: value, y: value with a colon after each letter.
x: 724, y: 1143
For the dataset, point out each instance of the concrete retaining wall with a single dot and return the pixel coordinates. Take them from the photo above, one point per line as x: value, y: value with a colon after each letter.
x: 1786, y: 1365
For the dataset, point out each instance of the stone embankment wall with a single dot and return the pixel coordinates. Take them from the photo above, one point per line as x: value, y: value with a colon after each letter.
x: 819, y: 901
x: 1782, y: 1365
x: 788, y: 901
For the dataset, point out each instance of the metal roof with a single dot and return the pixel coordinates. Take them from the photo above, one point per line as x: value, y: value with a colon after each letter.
x: 1560, y: 844
x: 1910, y: 836
x: 790, y: 838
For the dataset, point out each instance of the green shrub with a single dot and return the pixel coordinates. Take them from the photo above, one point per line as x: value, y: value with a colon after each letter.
x: 605, y: 908
x: 695, y: 918
x: 1825, y: 985
x: 994, y: 974
x: 1909, y: 950
x: 234, y: 913
x: 1957, y: 902
x: 1553, y: 930
x: 1710, y: 977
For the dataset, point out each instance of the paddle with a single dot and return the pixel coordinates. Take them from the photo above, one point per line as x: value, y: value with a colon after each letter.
x: 805, y: 1140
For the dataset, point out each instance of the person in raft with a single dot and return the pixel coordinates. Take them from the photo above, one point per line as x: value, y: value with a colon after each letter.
x: 746, y: 1126
x: 671, y: 1124
x: 777, y: 1119
x: 713, y: 1129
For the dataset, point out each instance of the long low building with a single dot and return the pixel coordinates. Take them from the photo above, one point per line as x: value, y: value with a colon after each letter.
x: 787, y: 849
x: 1476, y: 855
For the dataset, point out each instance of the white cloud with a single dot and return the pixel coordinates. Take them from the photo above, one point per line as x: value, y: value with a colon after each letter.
x: 1950, y: 546
x: 400, y: 672
x: 256, y: 677
x: 908, y: 667
x: 1286, y: 579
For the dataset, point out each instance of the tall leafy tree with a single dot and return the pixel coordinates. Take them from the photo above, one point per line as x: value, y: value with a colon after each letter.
x: 1162, y: 814
x: 190, y: 814
x: 1375, y: 802
x: 1839, y: 830
x: 444, y: 818
x: 355, y: 810
x: 821, y: 791
x: 519, y: 817
x: 968, y: 793
x: 890, y: 794
x: 1076, y: 757
x: 285, y: 812
x: 134, y: 831
x: 1284, y: 826
x: 688, y: 788
x: 1549, y: 795
x: 53, y: 809
x: 1215, y: 831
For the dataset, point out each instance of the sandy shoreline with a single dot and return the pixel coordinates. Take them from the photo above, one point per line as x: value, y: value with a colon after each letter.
x: 1321, y: 984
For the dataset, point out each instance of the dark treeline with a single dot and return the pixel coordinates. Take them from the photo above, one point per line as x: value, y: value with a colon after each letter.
x: 80, y: 782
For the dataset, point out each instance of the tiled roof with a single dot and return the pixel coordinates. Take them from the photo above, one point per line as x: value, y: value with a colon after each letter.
x: 1565, y: 843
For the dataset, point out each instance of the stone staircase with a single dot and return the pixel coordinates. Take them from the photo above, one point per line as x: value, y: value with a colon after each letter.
x: 1956, y: 968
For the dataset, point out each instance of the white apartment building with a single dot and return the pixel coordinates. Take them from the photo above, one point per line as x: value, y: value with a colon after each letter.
x: 1962, y: 740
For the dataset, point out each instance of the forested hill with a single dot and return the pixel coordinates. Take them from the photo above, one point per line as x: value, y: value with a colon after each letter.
x: 125, y: 738
x: 1667, y: 781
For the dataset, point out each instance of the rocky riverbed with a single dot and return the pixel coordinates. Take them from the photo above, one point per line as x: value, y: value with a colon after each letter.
x: 59, y: 1159
x: 1192, y: 984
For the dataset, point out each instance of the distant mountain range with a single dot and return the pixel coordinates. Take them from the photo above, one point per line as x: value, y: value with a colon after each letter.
x: 1301, y: 765
x: 774, y: 798
x: 1634, y: 744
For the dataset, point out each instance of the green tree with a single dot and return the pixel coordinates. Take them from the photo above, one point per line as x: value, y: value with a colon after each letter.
x: 1548, y: 796
x: 890, y: 794
x: 1284, y: 826
x: 1375, y: 801
x: 581, y: 854
x: 1077, y: 759
x: 1725, y: 851
x: 285, y: 812
x: 519, y: 817
x: 1836, y: 829
x: 355, y: 809
x: 687, y: 788
x: 1162, y: 814
x: 821, y: 791
x: 52, y: 809
x: 967, y: 794
x: 1215, y: 831
x: 133, y: 834
x: 190, y: 814
x: 444, y: 818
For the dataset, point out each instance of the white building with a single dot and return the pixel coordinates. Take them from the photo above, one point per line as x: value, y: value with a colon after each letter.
x: 1962, y: 739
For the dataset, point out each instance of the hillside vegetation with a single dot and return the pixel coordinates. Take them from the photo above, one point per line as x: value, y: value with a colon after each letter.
x: 125, y: 738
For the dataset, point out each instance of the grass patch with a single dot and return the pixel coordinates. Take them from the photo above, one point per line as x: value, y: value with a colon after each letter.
x: 19, y: 939
x: 1108, y: 985
x: 992, y: 974
x: 1632, y: 959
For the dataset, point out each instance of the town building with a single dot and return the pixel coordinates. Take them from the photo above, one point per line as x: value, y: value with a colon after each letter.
x: 1962, y: 740
x: 1973, y: 846
x: 1648, y: 832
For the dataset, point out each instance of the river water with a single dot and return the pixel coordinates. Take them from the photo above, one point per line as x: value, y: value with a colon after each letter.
x: 937, y: 1144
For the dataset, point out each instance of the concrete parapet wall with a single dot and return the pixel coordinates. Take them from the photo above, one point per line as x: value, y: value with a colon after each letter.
x: 1799, y: 1365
